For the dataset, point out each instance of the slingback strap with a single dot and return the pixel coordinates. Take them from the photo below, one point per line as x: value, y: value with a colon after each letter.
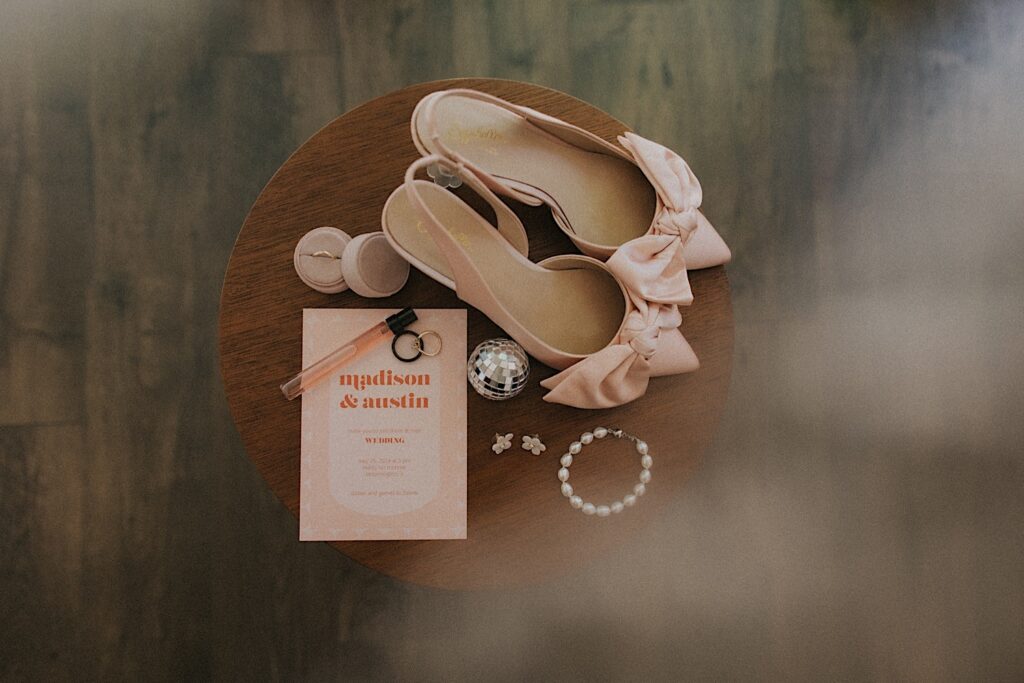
x: 565, y: 132
x: 509, y: 225
x: 469, y: 283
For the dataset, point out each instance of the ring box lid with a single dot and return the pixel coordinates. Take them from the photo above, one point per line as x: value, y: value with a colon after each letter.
x: 372, y: 267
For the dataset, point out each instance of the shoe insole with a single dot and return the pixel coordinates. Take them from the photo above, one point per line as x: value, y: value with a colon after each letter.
x: 577, y: 311
x: 607, y: 200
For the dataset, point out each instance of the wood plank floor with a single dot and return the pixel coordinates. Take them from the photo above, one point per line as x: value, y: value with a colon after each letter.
x: 861, y: 515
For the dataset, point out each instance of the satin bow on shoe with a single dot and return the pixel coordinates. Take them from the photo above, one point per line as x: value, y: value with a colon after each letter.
x: 653, y: 270
x: 648, y: 344
x: 654, y: 265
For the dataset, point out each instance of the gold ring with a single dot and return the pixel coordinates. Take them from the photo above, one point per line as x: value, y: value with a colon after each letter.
x: 421, y: 345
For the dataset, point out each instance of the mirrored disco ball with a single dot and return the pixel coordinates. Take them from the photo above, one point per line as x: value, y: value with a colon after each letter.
x: 498, y: 369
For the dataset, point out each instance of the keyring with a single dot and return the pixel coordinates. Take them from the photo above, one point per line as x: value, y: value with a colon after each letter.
x: 421, y: 346
x: 415, y: 345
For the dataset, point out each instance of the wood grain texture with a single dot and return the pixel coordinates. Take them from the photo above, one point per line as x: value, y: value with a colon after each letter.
x: 859, y: 514
x: 515, y: 510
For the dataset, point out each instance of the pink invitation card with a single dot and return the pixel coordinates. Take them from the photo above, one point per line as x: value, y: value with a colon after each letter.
x: 384, y: 442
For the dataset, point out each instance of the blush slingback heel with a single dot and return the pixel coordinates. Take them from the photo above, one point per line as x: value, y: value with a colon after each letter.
x: 636, y: 205
x: 569, y: 312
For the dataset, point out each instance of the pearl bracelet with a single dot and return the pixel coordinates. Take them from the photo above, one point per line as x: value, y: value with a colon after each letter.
x: 618, y: 506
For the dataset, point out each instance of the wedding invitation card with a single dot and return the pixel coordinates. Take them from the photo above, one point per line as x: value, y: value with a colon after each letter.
x: 383, y: 441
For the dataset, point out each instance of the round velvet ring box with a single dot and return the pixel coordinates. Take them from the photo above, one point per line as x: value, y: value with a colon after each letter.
x: 372, y: 268
x: 318, y: 259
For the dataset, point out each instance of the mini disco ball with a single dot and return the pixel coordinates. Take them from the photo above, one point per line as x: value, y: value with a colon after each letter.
x: 498, y: 369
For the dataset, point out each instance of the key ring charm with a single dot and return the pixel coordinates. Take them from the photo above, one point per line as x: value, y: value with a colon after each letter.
x: 419, y: 345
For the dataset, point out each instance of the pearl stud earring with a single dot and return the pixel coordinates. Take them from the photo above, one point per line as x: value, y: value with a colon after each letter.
x: 533, y: 444
x: 502, y: 443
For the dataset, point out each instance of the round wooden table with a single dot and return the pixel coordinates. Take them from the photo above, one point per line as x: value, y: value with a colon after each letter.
x: 520, y: 528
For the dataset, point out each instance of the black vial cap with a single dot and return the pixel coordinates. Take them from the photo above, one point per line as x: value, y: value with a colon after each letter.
x: 401, y: 320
